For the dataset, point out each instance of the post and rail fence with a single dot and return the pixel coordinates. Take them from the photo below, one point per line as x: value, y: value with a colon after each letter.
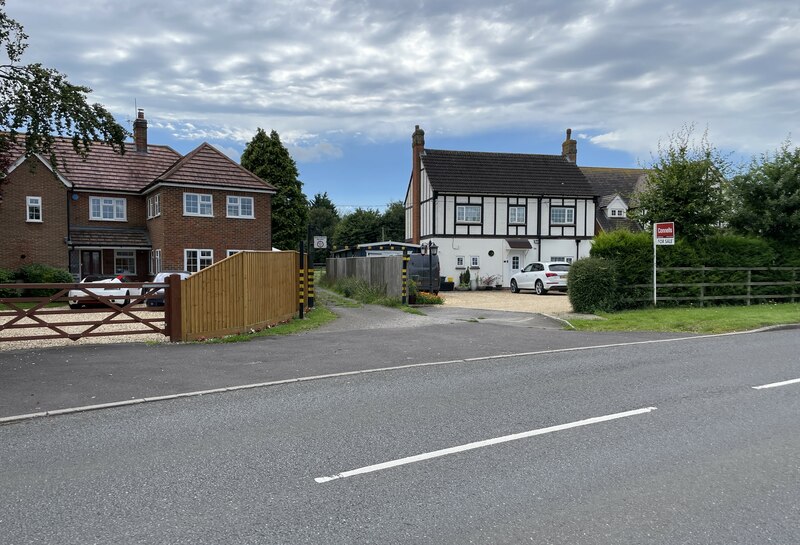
x: 720, y: 284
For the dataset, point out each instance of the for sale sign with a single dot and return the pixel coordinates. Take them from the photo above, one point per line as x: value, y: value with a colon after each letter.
x: 664, y: 233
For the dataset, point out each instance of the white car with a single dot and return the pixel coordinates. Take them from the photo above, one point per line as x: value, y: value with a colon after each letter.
x: 78, y: 298
x: 541, y: 277
x: 161, y: 278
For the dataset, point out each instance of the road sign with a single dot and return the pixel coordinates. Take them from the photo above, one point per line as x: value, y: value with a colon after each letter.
x: 664, y: 233
x: 320, y: 243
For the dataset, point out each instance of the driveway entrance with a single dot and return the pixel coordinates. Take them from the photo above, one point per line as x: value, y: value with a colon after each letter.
x: 552, y: 303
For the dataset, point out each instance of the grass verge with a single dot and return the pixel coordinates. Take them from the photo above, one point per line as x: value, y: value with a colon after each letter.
x: 694, y: 320
x: 314, y: 318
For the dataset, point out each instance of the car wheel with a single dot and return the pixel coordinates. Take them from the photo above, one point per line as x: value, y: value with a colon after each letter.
x: 126, y: 302
x: 539, y: 287
x: 74, y: 306
x: 514, y: 287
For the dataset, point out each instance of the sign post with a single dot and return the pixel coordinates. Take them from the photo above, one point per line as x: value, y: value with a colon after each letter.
x: 663, y: 235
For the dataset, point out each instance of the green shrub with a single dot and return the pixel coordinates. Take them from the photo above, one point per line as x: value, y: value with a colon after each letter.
x: 37, y: 273
x: 594, y: 285
x: 7, y: 277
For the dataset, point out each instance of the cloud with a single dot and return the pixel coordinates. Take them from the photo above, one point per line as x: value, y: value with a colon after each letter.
x: 625, y: 73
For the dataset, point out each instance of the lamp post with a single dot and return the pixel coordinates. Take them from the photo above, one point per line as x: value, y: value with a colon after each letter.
x: 433, y: 249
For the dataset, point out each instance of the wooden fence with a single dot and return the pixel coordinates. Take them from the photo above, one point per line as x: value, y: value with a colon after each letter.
x: 380, y: 271
x: 248, y: 290
x: 722, y: 284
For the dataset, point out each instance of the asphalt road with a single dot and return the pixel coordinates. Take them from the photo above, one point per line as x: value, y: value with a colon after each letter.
x: 705, y: 457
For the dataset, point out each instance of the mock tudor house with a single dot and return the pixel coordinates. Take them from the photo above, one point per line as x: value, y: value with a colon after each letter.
x: 495, y: 212
x: 138, y: 213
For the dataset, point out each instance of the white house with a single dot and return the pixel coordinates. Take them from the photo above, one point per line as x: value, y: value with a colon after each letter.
x: 495, y: 212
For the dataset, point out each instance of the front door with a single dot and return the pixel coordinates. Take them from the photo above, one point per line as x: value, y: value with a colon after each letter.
x: 513, y: 265
x: 91, y: 263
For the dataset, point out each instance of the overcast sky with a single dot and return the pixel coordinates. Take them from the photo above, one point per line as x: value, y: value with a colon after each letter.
x: 345, y: 82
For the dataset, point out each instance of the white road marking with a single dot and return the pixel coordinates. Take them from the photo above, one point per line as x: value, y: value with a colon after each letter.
x: 481, y: 444
x: 776, y: 384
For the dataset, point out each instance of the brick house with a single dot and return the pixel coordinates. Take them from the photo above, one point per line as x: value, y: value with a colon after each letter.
x: 137, y: 213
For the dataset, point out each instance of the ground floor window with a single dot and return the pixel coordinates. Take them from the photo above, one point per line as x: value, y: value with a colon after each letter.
x: 155, y: 261
x: 124, y: 261
x: 561, y: 259
x: 197, y: 260
x: 232, y: 252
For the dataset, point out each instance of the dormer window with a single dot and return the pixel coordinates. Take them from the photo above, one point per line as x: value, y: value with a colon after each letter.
x: 617, y: 213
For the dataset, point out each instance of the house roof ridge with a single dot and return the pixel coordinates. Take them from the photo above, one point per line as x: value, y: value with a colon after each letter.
x: 496, y: 153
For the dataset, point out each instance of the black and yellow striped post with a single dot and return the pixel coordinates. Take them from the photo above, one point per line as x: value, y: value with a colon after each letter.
x: 310, y: 284
x: 302, y: 285
x: 404, y: 276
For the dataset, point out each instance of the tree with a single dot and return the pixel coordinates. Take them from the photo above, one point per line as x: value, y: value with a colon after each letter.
x: 767, y: 197
x: 359, y: 227
x: 393, y: 222
x: 40, y: 103
x: 322, y: 220
x: 266, y: 157
x: 686, y: 184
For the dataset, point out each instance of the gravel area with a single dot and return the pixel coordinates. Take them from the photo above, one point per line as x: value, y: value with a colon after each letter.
x: 556, y: 304
x: 78, y: 316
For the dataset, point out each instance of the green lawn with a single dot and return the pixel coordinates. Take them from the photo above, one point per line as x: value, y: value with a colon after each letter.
x: 694, y: 320
x: 314, y: 318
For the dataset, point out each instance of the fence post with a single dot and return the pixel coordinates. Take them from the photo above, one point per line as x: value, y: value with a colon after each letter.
x: 302, y: 290
x: 173, y: 318
x: 703, y: 286
x: 404, y: 277
x: 749, y: 285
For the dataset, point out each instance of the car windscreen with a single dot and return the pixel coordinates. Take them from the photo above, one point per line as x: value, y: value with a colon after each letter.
x: 560, y: 267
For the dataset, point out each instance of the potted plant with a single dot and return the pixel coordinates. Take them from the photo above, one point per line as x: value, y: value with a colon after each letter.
x: 489, y: 281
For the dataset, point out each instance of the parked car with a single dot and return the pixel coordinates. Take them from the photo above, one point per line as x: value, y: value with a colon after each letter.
x: 78, y: 298
x: 161, y: 278
x: 541, y: 277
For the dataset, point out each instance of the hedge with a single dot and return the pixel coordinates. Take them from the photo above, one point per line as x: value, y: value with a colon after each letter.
x: 594, y: 285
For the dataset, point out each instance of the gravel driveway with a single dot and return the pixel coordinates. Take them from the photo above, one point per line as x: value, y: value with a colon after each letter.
x: 553, y: 303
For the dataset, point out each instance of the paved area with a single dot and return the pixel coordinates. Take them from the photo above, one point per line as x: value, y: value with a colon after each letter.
x: 556, y: 304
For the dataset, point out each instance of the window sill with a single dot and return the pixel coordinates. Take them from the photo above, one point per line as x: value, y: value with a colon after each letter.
x: 474, y: 267
x: 198, y: 215
x: 108, y: 219
x: 241, y: 217
x: 34, y: 221
x: 460, y: 268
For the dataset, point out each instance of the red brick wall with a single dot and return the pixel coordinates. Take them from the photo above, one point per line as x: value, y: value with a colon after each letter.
x: 23, y: 242
x: 220, y: 233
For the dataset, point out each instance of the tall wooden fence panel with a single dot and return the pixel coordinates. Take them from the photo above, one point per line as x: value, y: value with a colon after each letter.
x: 377, y: 271
x: 248, y: 290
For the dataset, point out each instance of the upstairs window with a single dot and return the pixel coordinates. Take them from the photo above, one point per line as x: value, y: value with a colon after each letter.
x: 198, y: 204
x: 154, y: 206
x: 468, y: 213
x: 516, y: 215
x: 34, y: 206
x: 108, y: 209
x: 240, y: 207
x: 560, y: 215
x: 617, y: 213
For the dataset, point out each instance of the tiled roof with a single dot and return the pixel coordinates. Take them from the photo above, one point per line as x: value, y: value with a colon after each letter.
x: 109, y: 237
x: 467, y: 172
x: 206, y: 165
x: 616, y: 224
x: 608, y: 181
x: 105, y: 169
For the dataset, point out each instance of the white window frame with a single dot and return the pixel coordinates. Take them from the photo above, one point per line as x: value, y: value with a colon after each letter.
x: 229, y: 253
x: 460, y: 262
x: 103, y: 202
x: 561, y: 259
x: 154, y: 206
x: 474, y: 262
x: 236, y: 201
x: 202, y: 198
x: 516, y: 220
x: 462, y: 216
x: 33, y: 204
x: 516, y: 259
x: 569, y: 215
x: 155, y: 261
x: 132, y: 257
x: 617, y: 213
x: 199, y: 256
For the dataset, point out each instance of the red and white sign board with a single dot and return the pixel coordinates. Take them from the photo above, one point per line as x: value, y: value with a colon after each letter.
x: 664, y: 233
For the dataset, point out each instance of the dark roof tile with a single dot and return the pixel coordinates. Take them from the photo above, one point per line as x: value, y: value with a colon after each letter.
x: 465, y: 172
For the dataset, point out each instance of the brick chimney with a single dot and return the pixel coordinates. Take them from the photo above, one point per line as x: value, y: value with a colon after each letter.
x: 569, y: 148
x: 418, y: 148
x: 140, y: 132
